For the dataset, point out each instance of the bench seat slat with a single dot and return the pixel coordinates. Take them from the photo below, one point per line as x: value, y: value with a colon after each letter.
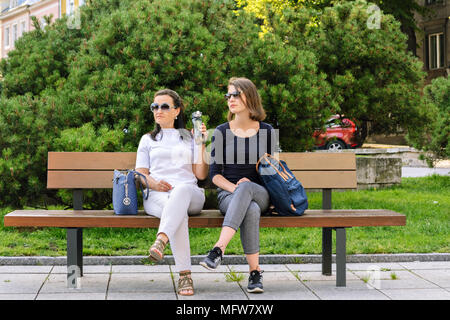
x: 91, y: 160
x: 319, y: 161
x: 103, y: 179
x: 207, y: 219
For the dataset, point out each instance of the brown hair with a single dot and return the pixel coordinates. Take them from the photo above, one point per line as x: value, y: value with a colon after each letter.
x: 253, y: 101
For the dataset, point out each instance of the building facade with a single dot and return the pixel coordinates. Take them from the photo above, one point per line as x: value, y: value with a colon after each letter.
x: 15, y: 17
x: 433, y: 41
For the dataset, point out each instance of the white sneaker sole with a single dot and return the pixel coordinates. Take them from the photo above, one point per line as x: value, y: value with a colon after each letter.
x: 203, y: 264
x: 255, y: 290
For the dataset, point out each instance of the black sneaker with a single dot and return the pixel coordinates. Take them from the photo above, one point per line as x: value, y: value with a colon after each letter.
x: 255, y: 282
x: 213, y: 260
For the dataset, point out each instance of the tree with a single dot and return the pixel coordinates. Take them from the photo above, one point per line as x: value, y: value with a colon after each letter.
x: 434, y: 140
x: 374, y: 79
x: 120, y: 57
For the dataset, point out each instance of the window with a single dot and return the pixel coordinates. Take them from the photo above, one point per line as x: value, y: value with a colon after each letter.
x: 14, y: 33
x: 70, y: 7
x: 436, y: 51
x: 7, y: 37
x: 42, y: 22
x: 23, y: 28
x: 430, y: 2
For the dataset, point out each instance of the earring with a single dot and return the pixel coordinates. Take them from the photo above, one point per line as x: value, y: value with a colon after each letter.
x: 176, y: 117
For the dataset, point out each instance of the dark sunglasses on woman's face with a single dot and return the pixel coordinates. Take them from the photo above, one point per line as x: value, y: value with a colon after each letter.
x: 164, y: 107
x: 234, y: 94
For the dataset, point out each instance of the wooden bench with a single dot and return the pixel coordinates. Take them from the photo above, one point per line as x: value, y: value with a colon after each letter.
x: 90, y: 170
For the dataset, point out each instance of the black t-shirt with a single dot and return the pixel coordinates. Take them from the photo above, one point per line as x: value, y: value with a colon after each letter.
x: 235, y: 157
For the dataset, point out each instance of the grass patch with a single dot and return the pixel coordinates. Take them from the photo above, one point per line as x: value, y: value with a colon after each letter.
x: 424, y: 201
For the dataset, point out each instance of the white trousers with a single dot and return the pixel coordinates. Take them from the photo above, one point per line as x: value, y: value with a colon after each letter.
x: 173, y: 208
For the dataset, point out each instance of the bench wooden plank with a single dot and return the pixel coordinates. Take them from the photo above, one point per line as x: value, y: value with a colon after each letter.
x: 103, y: 179
x: 327, y: 179
x: 207, y: 219
x: 127, y: 160
x: 318, y: 161
x: 91, y: 160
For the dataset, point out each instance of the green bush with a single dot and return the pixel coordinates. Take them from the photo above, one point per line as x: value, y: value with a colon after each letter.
x: 374, y: 79
x: 92, y: 91
x: 435, y: 137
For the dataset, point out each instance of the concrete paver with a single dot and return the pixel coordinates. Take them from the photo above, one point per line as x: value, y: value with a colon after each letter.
x: 365, y: 281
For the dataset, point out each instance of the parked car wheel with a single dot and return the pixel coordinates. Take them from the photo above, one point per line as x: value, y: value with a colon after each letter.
x: 335, y: 145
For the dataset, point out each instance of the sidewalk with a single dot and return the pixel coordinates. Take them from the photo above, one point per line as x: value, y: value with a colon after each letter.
x: 389, y: 281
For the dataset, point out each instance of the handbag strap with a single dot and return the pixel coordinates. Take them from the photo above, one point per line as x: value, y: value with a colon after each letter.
x: 140, y: 183
x: 285, y: 175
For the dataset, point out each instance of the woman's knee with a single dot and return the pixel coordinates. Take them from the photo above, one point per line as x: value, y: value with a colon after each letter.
x: 253, y: 211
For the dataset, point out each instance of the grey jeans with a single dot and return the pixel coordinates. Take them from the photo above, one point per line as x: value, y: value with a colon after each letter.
x: 242, y: 209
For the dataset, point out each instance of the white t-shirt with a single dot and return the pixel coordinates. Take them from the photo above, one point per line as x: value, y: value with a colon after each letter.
x: 169, y: 159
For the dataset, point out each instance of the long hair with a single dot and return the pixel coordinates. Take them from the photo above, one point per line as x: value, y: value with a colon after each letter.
x: 253, y: 101
x: 179, y: 122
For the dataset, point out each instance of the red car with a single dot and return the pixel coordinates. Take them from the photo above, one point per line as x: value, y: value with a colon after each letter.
x: 340, y: 134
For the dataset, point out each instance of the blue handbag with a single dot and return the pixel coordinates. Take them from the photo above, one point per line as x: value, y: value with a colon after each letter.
x: 125, y: 198
x: 286, y: 193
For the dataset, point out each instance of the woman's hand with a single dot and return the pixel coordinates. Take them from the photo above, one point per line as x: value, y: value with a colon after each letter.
x: 204, y: 132
x: 161, y: 186
x: 242, y: 180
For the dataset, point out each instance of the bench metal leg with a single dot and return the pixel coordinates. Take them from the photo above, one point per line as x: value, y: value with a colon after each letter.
x: 340, y: 257
x: 326, y: 251
x: 74, y: 256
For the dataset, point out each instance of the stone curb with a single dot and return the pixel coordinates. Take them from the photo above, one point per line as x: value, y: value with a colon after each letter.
x: 228, y: 259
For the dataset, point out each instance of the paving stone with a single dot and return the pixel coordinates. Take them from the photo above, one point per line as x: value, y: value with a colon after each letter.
x: 418, y: 265
x: 89, y: 283
x: 417, y: 294
x: 17, y: 296
x: 86, y: 269
x: 213, y: 286
x: 141, y: 268
x: 71, y: 296
x: 25, y: 269
x: 413, y: 283
x: 340, y: 293
x: 198, y: 268
x: 21, y: 283
x: 394, y: 275
x: 316, y: 286
x: 369, y: 266
x: 141, y: 296
x: 141, y: 282
x: 281, y: 286
x: 439, y: 277
x: 318, y: 276
x: 308, y: 267
x: 266, y: 267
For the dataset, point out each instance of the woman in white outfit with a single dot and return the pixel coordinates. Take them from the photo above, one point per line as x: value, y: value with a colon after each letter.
x: 171, y: 161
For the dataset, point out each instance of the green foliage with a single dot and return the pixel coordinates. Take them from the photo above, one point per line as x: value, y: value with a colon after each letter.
x: 373, y: 78
x: 89, y: 89
x: 435, y: 137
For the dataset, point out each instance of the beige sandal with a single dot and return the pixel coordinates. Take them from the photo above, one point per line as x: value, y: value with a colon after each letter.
x: 157, y: 250
x: 185, y: 283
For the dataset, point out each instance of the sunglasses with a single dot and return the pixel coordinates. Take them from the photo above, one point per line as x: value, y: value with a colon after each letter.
x: 164, y: 107
x: 234, y: 94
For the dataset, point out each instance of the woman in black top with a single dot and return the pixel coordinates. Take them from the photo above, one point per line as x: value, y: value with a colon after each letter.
x: 236, y: 147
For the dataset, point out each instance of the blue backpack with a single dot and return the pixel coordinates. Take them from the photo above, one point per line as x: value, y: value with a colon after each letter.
x: 287, y: 194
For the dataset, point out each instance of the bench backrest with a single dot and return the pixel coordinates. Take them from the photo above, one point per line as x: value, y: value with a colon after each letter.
x: 94, y: 170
